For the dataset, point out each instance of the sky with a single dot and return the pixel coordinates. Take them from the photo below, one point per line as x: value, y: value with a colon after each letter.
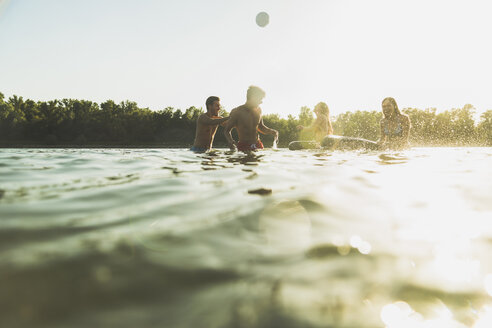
x: 350, y: 54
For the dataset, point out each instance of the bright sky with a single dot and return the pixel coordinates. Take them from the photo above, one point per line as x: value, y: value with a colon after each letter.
x: 349, y: 53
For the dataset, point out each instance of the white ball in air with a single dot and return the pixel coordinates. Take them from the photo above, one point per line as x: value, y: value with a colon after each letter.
x: 262, y: 19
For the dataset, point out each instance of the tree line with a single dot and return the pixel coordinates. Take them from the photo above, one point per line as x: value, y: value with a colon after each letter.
x: 71, y: 122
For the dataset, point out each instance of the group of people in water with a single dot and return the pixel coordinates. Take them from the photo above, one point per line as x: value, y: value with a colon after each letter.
x: 247, y: 120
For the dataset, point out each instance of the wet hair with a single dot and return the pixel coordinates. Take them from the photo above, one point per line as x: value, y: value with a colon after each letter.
x: 211, y: 100
x: 392, y: 101
x: 255, y: 92
x: 323, y: 108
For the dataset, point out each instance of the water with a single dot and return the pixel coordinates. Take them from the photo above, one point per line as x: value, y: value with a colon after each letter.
x: 169, y: 238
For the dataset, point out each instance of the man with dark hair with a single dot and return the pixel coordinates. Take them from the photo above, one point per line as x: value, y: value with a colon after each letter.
x: 206, y: 125
x: 248, y: 122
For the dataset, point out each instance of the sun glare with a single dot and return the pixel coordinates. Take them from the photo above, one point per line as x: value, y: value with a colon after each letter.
x: 363, y: 246
x: 485, y: 318
x: 401, y: 315
x: 488, y: 284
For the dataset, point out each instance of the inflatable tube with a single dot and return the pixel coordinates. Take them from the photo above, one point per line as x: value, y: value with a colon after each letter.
x: 298, y: 145
x: 340, y: 142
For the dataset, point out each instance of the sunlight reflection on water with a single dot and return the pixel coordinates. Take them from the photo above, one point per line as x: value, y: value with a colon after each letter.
x: 341, y: 239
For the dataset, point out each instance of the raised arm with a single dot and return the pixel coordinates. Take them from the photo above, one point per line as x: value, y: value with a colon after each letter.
x: 204, y: 119
x: 266, y: 130
x: 231, y: 123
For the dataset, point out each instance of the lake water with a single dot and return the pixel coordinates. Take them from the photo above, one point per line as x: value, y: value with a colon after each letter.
x: 169, y: 238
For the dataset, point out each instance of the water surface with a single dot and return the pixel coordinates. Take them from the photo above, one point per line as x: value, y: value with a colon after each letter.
x: 169, y: 238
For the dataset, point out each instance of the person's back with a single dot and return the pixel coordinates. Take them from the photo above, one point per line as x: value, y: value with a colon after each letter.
x: 320, y: 127
x: 206, y: 125
x: 248, y: 122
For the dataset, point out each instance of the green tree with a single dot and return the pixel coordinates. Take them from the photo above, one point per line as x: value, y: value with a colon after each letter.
x: 463, y: 125
x: 306, y: 116
x: 422, y: 125
x: 360, y: 124
x: 485, y: 128
x: 71, y: 121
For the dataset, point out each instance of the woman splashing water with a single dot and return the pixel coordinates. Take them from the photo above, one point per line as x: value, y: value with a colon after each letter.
x: 395, y: 126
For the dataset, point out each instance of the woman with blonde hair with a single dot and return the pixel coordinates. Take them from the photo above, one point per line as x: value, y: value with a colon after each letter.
x: 321, y: 125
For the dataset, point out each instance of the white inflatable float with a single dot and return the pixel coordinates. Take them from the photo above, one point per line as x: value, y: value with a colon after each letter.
x: 335, y: 142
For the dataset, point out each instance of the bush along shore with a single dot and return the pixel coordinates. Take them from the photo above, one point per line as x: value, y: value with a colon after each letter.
x: 83, y: 123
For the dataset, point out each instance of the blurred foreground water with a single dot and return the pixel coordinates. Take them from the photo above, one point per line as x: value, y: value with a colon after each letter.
x: 169, y: 238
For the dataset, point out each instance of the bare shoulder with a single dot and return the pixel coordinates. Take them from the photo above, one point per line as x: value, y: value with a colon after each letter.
x: 202, y: 117
x: 240, y: 110
x: 234, y: 112
x: 233, y: 117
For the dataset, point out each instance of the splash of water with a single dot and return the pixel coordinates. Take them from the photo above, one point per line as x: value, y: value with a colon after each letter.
x: 274, y: 145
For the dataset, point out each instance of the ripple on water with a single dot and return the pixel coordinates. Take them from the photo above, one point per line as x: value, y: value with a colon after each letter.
x: 400, y: 238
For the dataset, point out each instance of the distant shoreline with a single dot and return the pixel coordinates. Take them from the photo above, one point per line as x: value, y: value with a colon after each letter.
x: 89, y: 146
x: 72, y: 123
x: 92, y: 146
x: 176, y: 146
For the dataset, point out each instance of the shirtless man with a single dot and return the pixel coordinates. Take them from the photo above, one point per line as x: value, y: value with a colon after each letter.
x: 206, y: 125
x: 248, y: 122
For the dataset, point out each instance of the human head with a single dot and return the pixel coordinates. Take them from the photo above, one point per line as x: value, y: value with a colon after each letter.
x: 255, y: 95
x: 322, y: 108
x: 390, y: 107
x: 213, y: 105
